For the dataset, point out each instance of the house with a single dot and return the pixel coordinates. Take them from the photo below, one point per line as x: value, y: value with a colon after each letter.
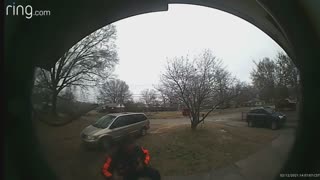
x: 111, y: 108
x: 254, y: 102
x: 286, y: 104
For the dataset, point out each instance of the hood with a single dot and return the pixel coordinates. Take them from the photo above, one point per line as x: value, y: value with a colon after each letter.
x: 91, y: 130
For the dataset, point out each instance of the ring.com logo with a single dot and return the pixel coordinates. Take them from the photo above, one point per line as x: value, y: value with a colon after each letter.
x: 27, y: 11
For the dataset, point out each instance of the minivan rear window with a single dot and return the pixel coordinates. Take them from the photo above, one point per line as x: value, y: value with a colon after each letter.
x: 142, y: 117
x: 104, y: 121
x: 138, y: 118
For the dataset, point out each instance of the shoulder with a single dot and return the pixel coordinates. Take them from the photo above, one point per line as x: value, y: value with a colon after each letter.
x: 138, y: 148
x: 111, y: 156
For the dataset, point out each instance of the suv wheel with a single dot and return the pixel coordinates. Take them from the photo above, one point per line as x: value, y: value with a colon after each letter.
x: 105, y: 143
x: 143, y: 131
x: 274, y: 125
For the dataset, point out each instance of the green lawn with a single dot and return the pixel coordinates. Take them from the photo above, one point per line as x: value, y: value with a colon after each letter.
x: 180, y: 151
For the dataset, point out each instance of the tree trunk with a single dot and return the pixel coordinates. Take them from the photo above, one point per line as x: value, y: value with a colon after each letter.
x: 194, y: 126
x: 195, y: 122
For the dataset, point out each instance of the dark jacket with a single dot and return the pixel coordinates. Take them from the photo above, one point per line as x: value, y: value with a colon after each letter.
x: 125, y: 161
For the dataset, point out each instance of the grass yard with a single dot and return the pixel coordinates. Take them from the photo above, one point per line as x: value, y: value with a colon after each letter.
x: 179, y: 151
x: 174, y: 148
x: 68, y: 114
x: 178, y: 114
x: 164, y: 115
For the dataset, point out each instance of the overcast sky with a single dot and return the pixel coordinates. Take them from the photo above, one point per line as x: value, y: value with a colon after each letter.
x: 146, y: 41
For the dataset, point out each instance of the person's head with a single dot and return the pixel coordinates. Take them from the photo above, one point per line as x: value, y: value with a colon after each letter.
x: 127, y: 143
x: 114, y: 147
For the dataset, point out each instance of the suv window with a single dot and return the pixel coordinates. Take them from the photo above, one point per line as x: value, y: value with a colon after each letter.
x: 255, y: 111
x: 261, y: 111
x: 121, y: 121
x: 269, y: 110
x: 258, y: 111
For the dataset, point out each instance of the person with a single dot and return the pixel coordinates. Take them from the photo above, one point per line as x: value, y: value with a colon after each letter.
x: 128, y: 161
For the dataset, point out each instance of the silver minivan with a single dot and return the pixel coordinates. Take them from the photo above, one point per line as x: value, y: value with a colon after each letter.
x: 112, y: 127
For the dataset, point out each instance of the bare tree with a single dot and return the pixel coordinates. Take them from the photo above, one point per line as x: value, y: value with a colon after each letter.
x: 288, y: 74
x: 264, y: 77
x: 115, y: 91
x: 224, y: 81
x: 199, y: 83
x: 90, y: 60
x: 168, y: 98
x: 68, y: 94
x: 273, y: 78
x: 149, y: 96
x: 248, y: 92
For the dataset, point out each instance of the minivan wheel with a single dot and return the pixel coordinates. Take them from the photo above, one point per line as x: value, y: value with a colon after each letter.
x: 274, y: 125
x: 143, y: 132
x: 105, y: 143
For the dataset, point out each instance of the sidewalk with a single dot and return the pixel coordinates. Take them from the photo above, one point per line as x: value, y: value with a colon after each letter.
x: 263, y: 165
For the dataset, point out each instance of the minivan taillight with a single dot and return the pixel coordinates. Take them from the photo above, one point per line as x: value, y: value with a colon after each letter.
x: 148, y: 124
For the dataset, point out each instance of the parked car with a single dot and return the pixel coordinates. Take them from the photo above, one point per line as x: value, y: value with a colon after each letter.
x: 286, y: 104
x: 266, y: 117
x: 113, y: 127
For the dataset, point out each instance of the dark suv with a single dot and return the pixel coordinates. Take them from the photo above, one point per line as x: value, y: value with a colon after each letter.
x: 266, y: 117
